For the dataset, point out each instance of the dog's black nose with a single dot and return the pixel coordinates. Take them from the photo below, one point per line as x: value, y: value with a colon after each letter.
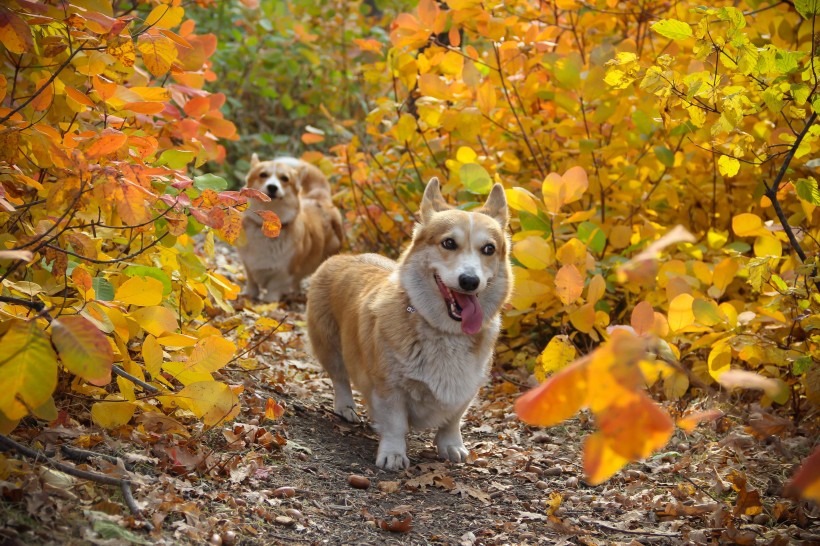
x: 468, y: 282
x: 272, y: 190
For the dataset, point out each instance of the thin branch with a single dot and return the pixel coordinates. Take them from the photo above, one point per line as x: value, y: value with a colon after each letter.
x: 116, y: 370
x: 8, y: 444
x: 114, y: 261
x: 771, y: 191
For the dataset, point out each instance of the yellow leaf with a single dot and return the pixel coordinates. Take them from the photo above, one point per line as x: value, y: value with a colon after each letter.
x: 724, y: 274
x: 211, y: 354
x: 569, y: 284
x: 533, y: 253
x: 152, y: 355
x: 720, y: 358
x: 583, y: 318
x: 210, y: 401
x: 466, y: 154
x: 15, y: 33
x: 560, y: 190
x: 706, y: 312
x: 141, y: 291
x: 165, y: 16
x: 728, y: 166
x: 28, y: 369
x: 558, y: 353
x: 748, y: 225
x: 521, y: 199
x: 158, y: 53
x: 156, y: 320
x: 680, y: 312
x: 766, y: 245
x: 110, y: 415
x: 596, y: 289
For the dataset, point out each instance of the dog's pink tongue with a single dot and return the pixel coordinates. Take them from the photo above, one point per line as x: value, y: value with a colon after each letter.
x: 471, y: 314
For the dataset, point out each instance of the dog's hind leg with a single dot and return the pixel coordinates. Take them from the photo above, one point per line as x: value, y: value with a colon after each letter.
x: 327, y: 348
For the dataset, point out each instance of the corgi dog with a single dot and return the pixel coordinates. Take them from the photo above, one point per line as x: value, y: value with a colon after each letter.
x: 311, y: 227
x: 415, y: 336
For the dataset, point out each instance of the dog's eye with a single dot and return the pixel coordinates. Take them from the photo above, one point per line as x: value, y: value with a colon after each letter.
x: 449, y: 244
x: 284, y: 178
x: 488, y: 249
x: 263, y: 175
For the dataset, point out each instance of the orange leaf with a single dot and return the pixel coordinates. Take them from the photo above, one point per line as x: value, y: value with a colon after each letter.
x: 643, y: 318
x: 806, y: 482
x: 569, y: 284
x: 600, y: 460
x: 690, y: 421
x: 109, y: 141
x: 273, y: 410
x: 637, y: 428
x: 272, y: 225
x: 311, y: 138
x: 557, y: 399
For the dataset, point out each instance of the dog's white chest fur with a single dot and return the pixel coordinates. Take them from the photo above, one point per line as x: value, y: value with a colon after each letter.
x: 440, y: 375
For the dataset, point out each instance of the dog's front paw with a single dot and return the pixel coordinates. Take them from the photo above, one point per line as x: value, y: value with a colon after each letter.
x: 348, y: 413
x: 456, y: 453
x: 392, y: 460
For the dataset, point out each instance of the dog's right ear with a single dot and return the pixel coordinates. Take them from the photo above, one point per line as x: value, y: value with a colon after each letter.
x: 432, y: 201
x: 254, y: 160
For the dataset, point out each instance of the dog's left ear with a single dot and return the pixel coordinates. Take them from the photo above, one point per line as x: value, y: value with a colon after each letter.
x: 432, y: 201
x: 496, y: 205
x: 254, y: 160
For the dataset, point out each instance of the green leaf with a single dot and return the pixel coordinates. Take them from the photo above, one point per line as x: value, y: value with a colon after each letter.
x: 103, y: 289
x: 475, y: 178
x: 808, y: 191
x: 83, y: 349
x: 801, y: 365
x: 807, y: 8
x: 112, y: 531
x: 673, y: 29
x: 176, y: 159
x: 592, y: 236
x: 665, y: 156
x: 780, y: 283
x: 28, y: 369
x: 210, y: 182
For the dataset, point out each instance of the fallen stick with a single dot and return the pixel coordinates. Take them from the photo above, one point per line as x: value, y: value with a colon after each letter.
x: 7, y: 443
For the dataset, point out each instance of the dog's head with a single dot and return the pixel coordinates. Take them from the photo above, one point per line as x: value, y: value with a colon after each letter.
x: 464, y: 255
x: 280, y: 180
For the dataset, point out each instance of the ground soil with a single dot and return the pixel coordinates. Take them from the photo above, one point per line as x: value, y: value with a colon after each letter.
x: 287, y: 481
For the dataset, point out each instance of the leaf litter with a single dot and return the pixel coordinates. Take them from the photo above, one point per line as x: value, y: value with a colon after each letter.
x: 288, y: 471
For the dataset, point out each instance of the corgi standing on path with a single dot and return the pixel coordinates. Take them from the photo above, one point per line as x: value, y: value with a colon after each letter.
x: 416, y: 336
x: 311, y: 227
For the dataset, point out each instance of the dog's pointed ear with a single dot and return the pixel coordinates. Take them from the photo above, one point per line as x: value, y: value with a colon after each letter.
x: 432, y: 201
x: 496, y: 205
x: 254, y: 160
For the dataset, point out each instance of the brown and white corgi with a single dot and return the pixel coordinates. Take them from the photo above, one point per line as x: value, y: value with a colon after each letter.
x: 311, y: 227
x: 416, y: 336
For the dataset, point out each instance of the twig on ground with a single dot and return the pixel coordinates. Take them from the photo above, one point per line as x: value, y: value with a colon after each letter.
x: 83, y: 455
x: 7, y: 443
x: 607, y: 527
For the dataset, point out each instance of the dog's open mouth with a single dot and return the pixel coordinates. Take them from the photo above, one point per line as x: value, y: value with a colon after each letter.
x: 462, y: 307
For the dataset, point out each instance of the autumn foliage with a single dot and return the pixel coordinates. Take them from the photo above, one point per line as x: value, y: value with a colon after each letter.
x: 659, y: 163
x: 104, y: 120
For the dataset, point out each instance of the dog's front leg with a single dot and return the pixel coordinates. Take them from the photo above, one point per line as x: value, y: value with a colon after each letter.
x: 448, y: 439
x: 390, y: 419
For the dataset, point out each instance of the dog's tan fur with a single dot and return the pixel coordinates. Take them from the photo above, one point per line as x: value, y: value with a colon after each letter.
x: 385, y: 325
x: 311, y: 227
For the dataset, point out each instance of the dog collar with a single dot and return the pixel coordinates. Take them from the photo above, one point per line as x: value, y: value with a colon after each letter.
x: 411, y: 309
